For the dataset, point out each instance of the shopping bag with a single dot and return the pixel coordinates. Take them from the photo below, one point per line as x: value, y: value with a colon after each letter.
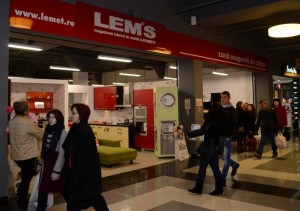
x: 33, y: 200
x: 280, y: 141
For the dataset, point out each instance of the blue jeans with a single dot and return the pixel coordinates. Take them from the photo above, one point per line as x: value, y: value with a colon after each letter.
x: 214, y: 164
x: 264, y: 137
x: 225, y: 142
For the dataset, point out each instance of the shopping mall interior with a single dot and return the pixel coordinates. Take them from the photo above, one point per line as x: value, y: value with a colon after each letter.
x: 156, y: 183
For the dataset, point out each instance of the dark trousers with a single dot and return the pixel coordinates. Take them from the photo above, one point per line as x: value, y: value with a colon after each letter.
x: 42, y: 201
x: 214, y: 164
x: 27, y: 171
x: 98, y: 203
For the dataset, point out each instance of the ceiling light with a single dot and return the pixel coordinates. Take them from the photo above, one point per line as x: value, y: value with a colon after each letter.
x: 130, y: 74
x: 113, y: 58
x: 170, y: 78
x: 116, y: 83
x: 219, y: 73
x: 64, y: 68
x: 173, y: 67
x: 24, y: 47
x: 97, y: 85
x: 284, y: 30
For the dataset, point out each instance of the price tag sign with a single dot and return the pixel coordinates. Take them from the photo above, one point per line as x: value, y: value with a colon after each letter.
x: 187, y: 104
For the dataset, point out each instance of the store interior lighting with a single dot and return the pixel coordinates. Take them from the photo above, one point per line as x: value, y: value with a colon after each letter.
x: 117, y: 83
x: 170, y: 78
x: 115, y: 59
x: 97, y: 85
x: 52, y: 67
x: 284, y: 30
x: 173, y: 67
x: 219, y: 73
x: 130, y: 74
x: 24, y: 47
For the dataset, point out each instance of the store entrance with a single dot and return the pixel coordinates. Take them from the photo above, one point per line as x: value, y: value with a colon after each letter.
x: 286, y: 90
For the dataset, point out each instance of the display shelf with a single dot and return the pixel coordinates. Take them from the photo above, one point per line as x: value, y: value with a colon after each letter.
x: 39, y: 102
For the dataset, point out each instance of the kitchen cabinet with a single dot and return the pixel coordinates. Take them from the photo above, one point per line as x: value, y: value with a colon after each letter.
x: 106, y: 98
x: 144, y: 98
x: 112, y: 132
x: 39, y: 102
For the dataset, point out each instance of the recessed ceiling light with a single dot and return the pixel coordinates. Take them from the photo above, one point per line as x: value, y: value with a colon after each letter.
x: 52, y: 67
x: 219, y: 73
x: 284, y: 30
x: 115, y: 59
x: 130, y: 74
x: 24, y: 47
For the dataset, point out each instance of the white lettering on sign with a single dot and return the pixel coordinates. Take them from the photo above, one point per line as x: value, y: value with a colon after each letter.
x: 123, y: 25
x: 291, y: 69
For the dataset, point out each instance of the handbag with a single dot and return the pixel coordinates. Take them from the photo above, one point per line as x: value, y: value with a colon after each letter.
x: 33, y: 200
x: 280, y: 141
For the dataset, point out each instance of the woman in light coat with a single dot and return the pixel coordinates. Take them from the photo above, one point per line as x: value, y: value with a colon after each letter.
x: 24, y: 148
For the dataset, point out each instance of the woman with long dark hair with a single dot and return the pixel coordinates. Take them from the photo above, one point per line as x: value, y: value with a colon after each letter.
x: 52, y: 173
x: 212, y: 129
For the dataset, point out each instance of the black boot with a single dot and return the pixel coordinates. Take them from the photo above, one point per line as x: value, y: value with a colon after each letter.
x: 198, y: 187
x: 218, y: 190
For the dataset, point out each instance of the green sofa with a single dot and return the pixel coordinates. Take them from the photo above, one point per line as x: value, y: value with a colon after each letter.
x: 111, y: 152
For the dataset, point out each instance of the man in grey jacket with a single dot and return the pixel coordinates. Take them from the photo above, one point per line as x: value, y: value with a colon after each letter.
x: 229, y: 135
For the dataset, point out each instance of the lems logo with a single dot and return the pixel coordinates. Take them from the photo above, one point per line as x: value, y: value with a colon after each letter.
x: 127, y: 26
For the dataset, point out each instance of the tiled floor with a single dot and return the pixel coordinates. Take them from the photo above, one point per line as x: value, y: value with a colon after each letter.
x: 154, y: 184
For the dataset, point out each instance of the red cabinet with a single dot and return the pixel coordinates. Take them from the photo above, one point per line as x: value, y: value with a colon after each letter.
x: 106, y: 98
x: 145, y: 98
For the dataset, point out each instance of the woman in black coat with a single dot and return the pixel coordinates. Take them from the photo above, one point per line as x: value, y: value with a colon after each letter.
x: 84, y: 181
x: 212, y: 128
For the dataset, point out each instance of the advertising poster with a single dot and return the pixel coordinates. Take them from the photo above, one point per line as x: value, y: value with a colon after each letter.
x: 180, y: 144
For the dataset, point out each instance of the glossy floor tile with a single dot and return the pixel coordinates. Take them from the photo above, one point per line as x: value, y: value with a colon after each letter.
x: 161, y: 184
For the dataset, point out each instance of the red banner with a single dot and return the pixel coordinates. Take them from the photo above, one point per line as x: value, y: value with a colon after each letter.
x: 92, y: 23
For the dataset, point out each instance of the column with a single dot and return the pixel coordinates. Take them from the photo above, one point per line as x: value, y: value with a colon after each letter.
x: 190, y: 86
x: 4, y: 58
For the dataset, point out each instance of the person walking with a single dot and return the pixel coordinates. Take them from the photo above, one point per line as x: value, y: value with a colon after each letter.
x: 268, y: 123
x: 24, y: 134
x: 209, y: 150
x: 241, y: 132
x: 51, y: 165
x: 229, y: 135
x: 84, y: 180
x: 281, y: 114
x: 249, y: 120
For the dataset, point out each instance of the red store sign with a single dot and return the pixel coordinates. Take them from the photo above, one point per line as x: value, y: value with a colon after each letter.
x: 88, y: 22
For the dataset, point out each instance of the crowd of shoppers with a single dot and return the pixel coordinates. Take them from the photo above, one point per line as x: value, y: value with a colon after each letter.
x: 238, y: 127
x: 69, y: 162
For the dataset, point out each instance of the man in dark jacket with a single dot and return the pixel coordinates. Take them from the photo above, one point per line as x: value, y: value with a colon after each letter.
x: 268, y: 122
x: 229, y: 134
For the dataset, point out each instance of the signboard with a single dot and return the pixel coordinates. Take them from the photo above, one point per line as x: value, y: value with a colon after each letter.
x: 88, y: 22
x: 290, y: 71
x: 181, y: 151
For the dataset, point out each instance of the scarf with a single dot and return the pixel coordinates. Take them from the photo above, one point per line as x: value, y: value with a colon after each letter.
x: 50, y: 140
